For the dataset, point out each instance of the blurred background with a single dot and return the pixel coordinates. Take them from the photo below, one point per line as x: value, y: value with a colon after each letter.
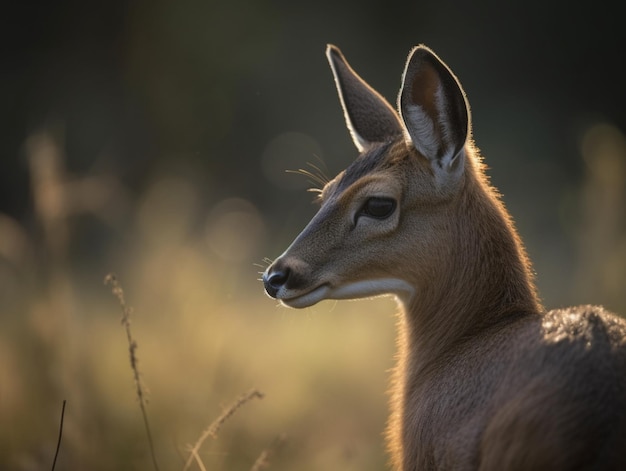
x: 151, y: 139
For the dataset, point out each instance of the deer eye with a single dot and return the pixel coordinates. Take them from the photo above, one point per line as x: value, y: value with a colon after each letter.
x: 377, y: 208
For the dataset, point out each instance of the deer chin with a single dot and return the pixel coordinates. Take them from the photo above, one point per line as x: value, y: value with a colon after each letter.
x: 353, y: 290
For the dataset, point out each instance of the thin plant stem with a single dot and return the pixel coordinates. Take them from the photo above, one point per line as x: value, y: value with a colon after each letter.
x: 212, y: 430
x: 56, y: 453
x: 118, y: 292
x: 263, y: 461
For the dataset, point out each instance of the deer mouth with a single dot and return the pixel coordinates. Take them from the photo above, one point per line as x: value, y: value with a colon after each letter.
x: 307, y: 299
x: 354, y: 290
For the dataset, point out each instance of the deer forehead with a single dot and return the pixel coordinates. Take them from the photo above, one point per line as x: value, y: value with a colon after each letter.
x: 378, y: 168
x: 393, y: 170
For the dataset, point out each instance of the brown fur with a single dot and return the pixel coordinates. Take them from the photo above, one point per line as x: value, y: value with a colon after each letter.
x: 486, y: 379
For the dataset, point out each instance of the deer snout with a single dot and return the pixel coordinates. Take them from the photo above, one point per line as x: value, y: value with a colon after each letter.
x: 274, y: 278
x: 288, y: 277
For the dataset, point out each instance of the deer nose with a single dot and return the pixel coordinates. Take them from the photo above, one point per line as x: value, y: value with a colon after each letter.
x: 274, y: 279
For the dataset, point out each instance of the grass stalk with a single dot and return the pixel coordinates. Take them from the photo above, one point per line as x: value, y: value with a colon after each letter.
x: 56, y: 453
x: 118, y: 292
x: 214, y: 427
x: 263, y: 461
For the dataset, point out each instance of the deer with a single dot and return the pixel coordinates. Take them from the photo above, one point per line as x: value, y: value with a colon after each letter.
x: 486, y: 377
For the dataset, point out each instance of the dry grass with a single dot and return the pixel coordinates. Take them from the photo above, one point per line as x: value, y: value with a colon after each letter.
x: 212, y: 430
x: 127, y: 310
x: 263, y: 461
x: 56, y: 453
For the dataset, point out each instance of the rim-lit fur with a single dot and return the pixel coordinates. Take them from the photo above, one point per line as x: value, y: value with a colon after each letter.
x: 486, y: 378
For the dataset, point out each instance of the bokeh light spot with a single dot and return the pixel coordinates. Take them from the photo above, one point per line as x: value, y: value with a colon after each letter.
x: 235, y: 230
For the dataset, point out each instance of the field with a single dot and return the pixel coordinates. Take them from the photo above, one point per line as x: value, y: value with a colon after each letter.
x: 205, y: 334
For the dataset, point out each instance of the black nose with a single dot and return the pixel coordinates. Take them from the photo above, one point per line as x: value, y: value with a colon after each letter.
x: 274, y: 279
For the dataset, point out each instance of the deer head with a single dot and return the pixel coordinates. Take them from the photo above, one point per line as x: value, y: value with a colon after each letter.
x: 383, y: 225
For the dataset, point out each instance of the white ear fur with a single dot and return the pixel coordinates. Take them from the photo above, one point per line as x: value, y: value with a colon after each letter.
x: 434, y: 110
x: 369, y: 117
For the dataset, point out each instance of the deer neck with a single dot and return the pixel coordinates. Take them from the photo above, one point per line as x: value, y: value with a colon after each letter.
x: 486, y: 280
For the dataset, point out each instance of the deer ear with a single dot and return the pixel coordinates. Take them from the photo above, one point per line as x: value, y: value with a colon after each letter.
x: 434, y: 109
x: 369, y: 117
